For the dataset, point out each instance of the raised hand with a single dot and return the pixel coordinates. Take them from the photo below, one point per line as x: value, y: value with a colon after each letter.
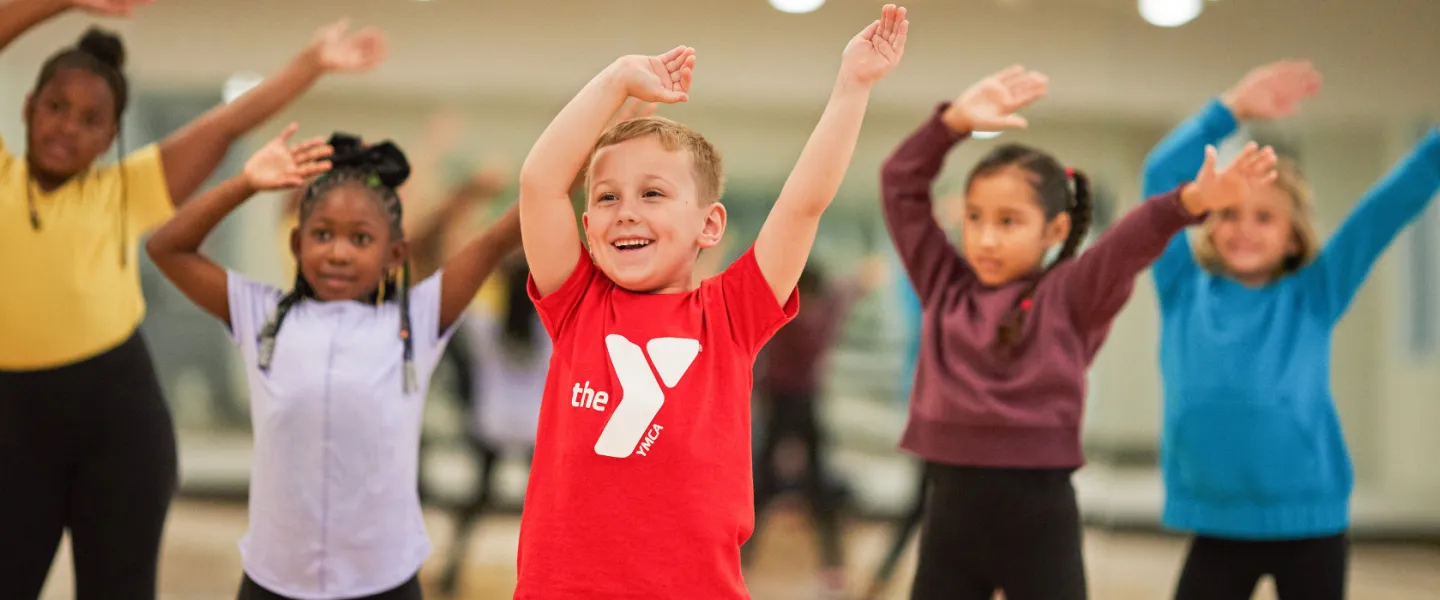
x: 664, y: 78
x: 876, y: 50
x: 337, y: 49
x: 276, y: 165
x: 1214, y: 189
x: 991, y: 104
x: 1272, y: 91
x: 110, y: 8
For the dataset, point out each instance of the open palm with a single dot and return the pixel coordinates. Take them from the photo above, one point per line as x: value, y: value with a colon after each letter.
x: 338, y: 49
x: 1254, y: 167
x: 876, y: 50
x: 663, y: 78
x: 278, y: 166
x: 1273, y: 91
x: 110, y: 8
x: 991, y: 104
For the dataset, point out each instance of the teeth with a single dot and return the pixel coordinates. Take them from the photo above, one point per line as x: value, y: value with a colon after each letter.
x: 631, y: 243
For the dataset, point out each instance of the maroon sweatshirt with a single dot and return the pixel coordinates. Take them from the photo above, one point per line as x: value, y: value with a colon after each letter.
x: 969, y: 406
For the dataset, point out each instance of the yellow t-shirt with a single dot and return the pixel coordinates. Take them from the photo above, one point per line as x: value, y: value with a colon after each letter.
x: 67, y: 298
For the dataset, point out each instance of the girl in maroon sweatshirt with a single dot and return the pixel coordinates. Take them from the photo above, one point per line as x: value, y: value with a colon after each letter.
x: 1005, y: 340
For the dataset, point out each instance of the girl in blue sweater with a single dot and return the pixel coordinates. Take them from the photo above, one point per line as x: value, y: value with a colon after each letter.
x: 1254, y: 461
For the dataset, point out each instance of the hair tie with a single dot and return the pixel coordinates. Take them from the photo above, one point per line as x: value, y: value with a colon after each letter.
x: 1070, y: 172
x: 384, y: 163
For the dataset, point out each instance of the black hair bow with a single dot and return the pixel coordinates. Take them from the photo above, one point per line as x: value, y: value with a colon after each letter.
x: 385, y: 159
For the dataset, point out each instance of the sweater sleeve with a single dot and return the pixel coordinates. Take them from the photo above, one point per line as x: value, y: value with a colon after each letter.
x: 1396, y: 200
x: 1097, y: 284
x: 1174, y: 161
x: 906, y: 180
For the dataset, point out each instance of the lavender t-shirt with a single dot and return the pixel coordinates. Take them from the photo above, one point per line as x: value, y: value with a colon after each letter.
x: 334, y: 507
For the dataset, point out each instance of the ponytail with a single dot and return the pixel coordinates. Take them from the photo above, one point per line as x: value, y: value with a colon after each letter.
x: 1081, y: 208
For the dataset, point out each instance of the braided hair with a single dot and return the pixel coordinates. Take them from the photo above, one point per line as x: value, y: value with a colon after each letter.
x: 518, y: 326
x: 102, y: 54
x: 379, y: 169
x: 1059, y: 190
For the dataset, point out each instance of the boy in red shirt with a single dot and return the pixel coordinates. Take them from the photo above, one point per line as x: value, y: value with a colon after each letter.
x: 641, y: 483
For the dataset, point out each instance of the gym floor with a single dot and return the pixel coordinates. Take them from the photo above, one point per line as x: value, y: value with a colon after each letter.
x: 200, y: 561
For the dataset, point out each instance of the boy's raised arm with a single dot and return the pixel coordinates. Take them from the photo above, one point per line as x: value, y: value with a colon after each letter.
x: 547, y: 219
x: 785, y: 240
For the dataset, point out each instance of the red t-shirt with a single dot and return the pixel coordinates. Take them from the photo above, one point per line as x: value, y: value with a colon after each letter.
x: 641, y: 483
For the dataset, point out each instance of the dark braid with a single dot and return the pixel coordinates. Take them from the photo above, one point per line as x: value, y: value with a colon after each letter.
x: 379, y: 170
x: 1058, y: 189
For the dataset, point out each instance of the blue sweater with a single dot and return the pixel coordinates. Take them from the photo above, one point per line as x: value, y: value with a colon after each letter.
x: 1251, y: 447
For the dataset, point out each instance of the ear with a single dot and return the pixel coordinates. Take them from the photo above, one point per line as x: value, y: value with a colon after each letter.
x: 295, y: 243
x: 714, y: 229
x: 1057, y: 230
x: 28, y: 108
x: 399, y: 251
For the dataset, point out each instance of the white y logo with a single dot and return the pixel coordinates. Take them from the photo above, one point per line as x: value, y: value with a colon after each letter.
x: 640, y: 394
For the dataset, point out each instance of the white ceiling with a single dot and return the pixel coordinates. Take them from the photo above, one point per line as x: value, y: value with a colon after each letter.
x: 1379, y: 56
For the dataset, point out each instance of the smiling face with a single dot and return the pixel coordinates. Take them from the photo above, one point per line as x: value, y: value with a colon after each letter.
x: 70, y: 121
x: 1252, y: 237
x: 1004, y: 230
x: 649, y: 213
x: 346, y: 244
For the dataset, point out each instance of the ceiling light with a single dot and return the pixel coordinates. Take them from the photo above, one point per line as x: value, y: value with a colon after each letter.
x: 796, y: 6
x: 1170, y: 13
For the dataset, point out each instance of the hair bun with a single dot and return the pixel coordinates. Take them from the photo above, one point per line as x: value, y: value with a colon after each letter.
x: 104, y: 46
x: 385, y: 159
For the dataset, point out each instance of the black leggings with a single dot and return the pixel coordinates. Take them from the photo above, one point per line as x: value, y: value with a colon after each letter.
x: 410, y: 590
x: 1307, y: 569
x: 987, y: 529
x: 793, y: 415
x: 88, y: 447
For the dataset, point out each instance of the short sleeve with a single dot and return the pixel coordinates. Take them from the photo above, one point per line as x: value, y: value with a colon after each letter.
x: 425, y: 317
x: 557, y: 308
x: 5, y: 156
x: 147, y: 202
x: 251, y: 305
x: 750, y: 304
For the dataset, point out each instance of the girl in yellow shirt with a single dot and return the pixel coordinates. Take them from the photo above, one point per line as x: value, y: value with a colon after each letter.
x: 86, y: 440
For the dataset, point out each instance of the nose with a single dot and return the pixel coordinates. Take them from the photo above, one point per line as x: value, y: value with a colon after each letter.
x: 340, y: 253
x: 988, y: 237
x: 625, y: 212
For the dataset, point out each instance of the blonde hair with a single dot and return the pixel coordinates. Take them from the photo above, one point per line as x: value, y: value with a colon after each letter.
x: 1292, y: 183
x: 673, y: 136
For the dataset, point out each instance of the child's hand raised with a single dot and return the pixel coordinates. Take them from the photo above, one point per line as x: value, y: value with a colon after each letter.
x: 336, y: 49
x: 1272, y: 91
x: 876, y: 50
x: 277, y: 166
x: 664, y: 78
x: 1214, y: 189
x: 110, y: 8
x: 991, y: 104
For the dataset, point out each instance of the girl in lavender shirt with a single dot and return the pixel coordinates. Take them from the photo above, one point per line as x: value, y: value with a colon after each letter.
x: 337, y: 367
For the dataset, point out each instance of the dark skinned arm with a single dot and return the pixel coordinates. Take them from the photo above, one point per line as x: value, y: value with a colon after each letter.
x: 468, y: 269
x: 175, y: 246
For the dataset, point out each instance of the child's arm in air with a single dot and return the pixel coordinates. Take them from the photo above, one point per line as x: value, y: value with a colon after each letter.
x: 788, y: 234
x: 175, y: 246
x: 1267, y: 92
x: 547, y: 218
x: 908, y: 176
x: 1382, y: 213
x: 191, y: 154
x: 1102, y: 278
x: 468, y: 269
x: 18, y: 16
